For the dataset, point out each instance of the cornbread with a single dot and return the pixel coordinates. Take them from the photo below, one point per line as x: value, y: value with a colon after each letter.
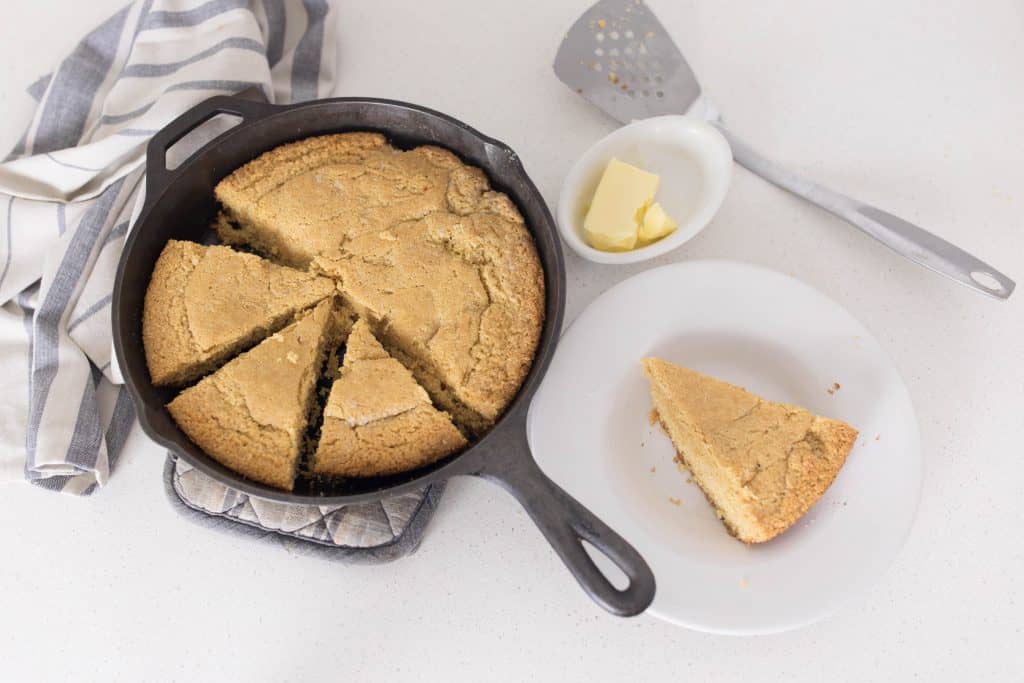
x: 251, y: 415
x: 457, y: 298
x: 306, y: 197
x: 206, y: 304
x: 377, y: 420
x: 438, y: 267
x: 761, y: 464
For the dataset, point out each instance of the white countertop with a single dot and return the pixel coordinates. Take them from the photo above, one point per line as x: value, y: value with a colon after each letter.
x: 912, y: 105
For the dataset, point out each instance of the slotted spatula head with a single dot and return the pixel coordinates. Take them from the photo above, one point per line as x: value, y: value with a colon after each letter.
x: 620, y: 58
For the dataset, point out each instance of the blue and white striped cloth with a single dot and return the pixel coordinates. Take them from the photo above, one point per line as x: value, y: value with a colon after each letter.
x: 72, y: 187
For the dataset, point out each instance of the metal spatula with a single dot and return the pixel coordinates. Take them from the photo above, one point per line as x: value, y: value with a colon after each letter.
x: 620, y: 58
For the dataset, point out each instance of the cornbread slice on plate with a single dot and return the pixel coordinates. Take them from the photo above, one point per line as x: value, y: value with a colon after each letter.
x: 761, y: 464
x: 251, y: 415
x: 300, y: 199
x: 205, y: 304
x: 377, y: 420
x: 457, y: 299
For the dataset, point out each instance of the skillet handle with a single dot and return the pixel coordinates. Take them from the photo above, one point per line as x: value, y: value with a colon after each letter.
x: 566, y: 524
x: 249, y: 105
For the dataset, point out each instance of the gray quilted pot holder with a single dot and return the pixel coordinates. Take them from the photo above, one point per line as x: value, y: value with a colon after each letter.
x: 367, y: 533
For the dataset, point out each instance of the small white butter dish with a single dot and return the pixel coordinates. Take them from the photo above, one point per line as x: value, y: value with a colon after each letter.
x: 695, y: 165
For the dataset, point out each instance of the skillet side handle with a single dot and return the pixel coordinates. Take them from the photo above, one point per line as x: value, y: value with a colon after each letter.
x: 566, y: 524
x: 249, y: 105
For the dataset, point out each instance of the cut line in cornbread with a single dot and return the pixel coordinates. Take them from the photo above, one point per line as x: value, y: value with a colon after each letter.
x: 251, y: 415
x: 378, y: 420
x: 205, y: 304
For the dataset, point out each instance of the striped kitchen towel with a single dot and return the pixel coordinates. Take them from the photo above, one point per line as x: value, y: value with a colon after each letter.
x: 72, y: 187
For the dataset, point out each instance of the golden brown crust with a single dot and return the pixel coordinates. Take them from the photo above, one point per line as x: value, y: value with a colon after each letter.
x: 761, y: 464
x: 204, y: 304
x: 299, y: 200
x: 246, y: 185
x: 251, y: 415
x: 377, y: 420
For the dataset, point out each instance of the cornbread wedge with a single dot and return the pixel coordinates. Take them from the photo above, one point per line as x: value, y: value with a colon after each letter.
x: 761, y: 464
x: 251, y: 415
x: 205, y: 304
x: 377, y: 420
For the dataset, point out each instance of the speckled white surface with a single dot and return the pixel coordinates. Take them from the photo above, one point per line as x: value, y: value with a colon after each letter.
x: 912, y: 105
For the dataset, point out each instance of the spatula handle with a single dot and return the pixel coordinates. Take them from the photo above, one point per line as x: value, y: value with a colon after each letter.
x: 903, y: 237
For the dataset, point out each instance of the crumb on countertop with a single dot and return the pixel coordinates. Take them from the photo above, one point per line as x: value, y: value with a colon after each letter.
x: 834, y: 388
x: 744, y: 583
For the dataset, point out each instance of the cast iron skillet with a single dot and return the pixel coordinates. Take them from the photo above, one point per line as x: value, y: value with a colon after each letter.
x: 180, y: 204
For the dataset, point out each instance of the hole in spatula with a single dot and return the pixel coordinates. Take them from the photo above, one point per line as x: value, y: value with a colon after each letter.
x: 987, y: 280
x: 615, y: 576
x: 181, y: 150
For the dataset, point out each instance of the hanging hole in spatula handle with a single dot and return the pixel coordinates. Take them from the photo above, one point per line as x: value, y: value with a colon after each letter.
x: 246, y: 106
x: 567, y: 525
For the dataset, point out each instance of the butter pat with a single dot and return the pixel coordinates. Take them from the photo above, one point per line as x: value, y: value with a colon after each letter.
x: 622, y: 215
x: 616, y: 212
x: 657, y: 224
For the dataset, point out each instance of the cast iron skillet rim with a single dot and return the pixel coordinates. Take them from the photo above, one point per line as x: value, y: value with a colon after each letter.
x: 464, y: 462
x: 275, y: 110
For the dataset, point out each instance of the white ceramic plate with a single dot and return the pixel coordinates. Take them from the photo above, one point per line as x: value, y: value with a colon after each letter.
x: 589, y: 430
